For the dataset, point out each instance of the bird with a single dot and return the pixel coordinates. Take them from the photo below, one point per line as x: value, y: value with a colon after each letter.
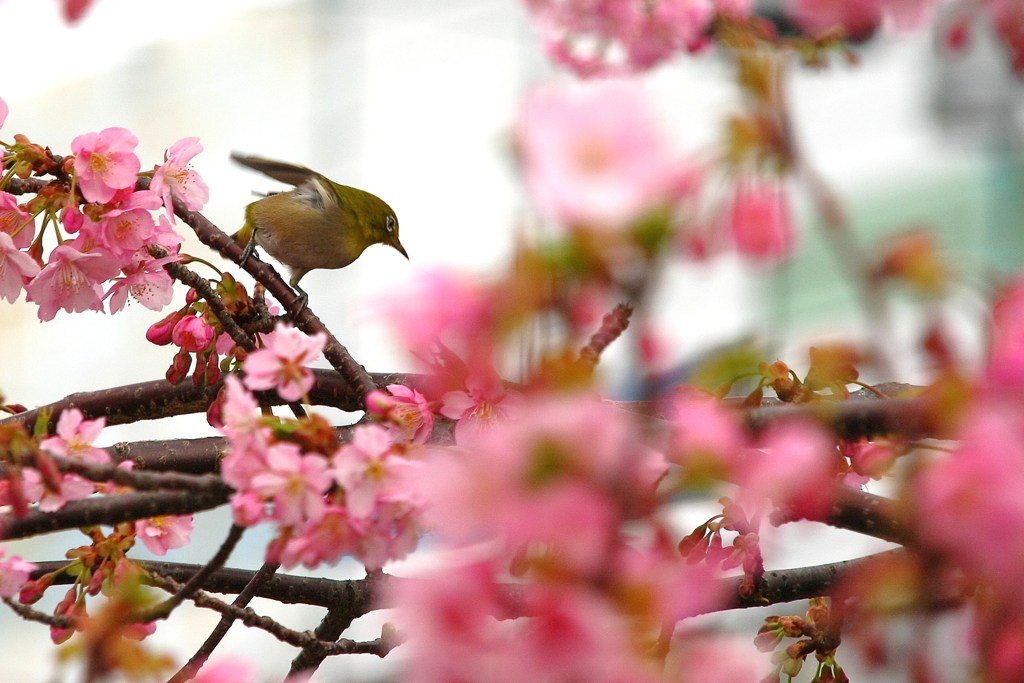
x: 318, y: 224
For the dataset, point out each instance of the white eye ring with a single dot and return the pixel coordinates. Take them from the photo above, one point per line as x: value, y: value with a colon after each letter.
x: 391, y: 223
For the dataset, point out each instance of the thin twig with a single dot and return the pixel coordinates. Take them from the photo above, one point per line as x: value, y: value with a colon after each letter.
x: 196, y: 661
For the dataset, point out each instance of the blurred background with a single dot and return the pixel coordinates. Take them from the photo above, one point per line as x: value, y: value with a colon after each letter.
x: 414, y: 101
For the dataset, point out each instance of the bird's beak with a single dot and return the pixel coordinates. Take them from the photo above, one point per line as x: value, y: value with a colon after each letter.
x: 398, y: 247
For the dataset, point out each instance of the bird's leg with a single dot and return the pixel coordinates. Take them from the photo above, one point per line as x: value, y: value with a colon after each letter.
x: 294, y: 282
x: 250, y: 248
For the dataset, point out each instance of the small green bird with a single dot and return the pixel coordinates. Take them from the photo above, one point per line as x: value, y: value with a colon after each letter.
x: 319, y: 224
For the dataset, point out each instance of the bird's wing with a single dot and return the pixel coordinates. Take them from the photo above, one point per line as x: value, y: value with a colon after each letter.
x: 292, y: 174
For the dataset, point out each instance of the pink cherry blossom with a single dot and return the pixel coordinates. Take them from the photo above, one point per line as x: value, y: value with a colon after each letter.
x: 248, y: 509
x: 16, y: 269
x: 192, y: 334
x: 324, y: 540
x: 363, y: 467
x: 70, y: 487
x: 594, y: 157
x: 175, y: 178
x: 128, y: 226
x: 3, y: 112
x: 16, y: 221
x: 247, y: 435
x: 164, y: 533
x: 405, y: 411
x: 484, y: 402
x: 70, y: 281
x: 294, y: 481
x: 75, y: 436
x: 759, y: 220
x: 166, y: 236
x: 14, y: 571
x: 391, y: 533
x: 450, y: 308
x: 281, y: 363
x: 105, y: 162
x: 147, y: 282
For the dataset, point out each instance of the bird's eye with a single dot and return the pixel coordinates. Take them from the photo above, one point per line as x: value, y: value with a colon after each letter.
x: 391, y: 223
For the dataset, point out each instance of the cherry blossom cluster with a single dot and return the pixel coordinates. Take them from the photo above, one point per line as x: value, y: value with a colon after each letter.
x: 327, y: 499
x: 101, y: 224
x: 615, y: 37
x: 533, y: 514
x: 42, y: 485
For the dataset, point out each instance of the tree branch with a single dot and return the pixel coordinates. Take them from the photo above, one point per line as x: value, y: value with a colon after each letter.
x: 110, y: 510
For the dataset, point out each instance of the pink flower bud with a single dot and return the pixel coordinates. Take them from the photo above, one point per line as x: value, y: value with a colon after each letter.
x: 179, y: 367
x: 759, y: 220
x: 159, y: 333
x: 379, y: 403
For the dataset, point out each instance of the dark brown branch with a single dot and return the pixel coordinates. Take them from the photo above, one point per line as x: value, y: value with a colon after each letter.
x: 159, y: 398
x: 110, y: 510
x: 361, y: 596
x: 340, y: 615
x: 871, y: 515
x: 136, y: 479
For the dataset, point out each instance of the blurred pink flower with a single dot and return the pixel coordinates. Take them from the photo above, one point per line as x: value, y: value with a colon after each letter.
x: 164, y: 533
x: 14, y: 572
x: 3, y: 111
x: 1005, y: 366
x: 70, y: 281
x: 281, y: 363
x: 969, y: 504
x: 706, y: 436
x: 175, y: 178
x: 16, y: 269
x: 105, y: 162
x: 594, y: 156
x: 233, y: 670
x: 857, y: 18
x: 793, y: 467
x: 74, y: 437
x: 609, y: 37
x: 518, y: 480
x: 71, y: 487
x: 484, y: 402
x: 759, y: 219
